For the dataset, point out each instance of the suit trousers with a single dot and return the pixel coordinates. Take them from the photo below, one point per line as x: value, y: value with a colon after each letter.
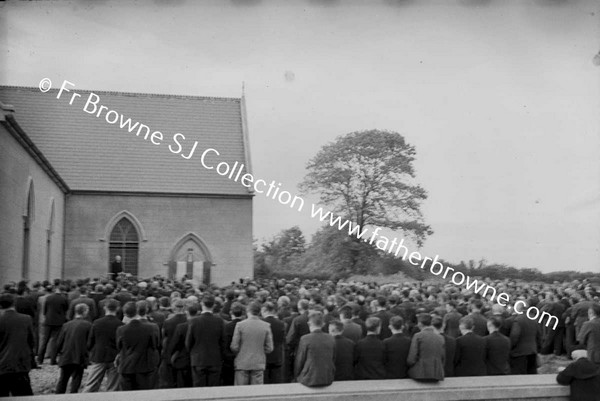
x: 206, y: 376
x: 523, y: 365
x: 73, y: 372
x: 166, y: 375
x: 50, y: 333
x: 274, y: 374
x: 137, y: 381
x: 96, y: 373
x: 184, y: 377
x: 15, y: 384
x: 245, y: 377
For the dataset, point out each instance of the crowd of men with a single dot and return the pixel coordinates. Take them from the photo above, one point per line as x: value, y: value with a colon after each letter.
x: 161, y: 333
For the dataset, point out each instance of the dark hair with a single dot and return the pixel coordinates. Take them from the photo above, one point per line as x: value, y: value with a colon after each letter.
x: 381, y: 301
x: 373, y: 323
x: 596, y: 309
x: 339, y: 326
x: 208, y: 301
x: 130, y: 309
x: 269, y: 307
x: 81, y: 309
x: 346, y: 312
x: 193, y: 309
x: 6, y: 301
x: 424, y: 319
x: 316, y: 318
x: 254, y: 308
x: 165, y: 302
x: 467, y: 322
x: 437, y: 322
x: 142, y: 307
x: 112, y: 305
x: 496, y: 321
x: 397, y: 322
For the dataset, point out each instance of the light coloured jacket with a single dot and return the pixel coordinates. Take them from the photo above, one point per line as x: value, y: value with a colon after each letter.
x: 252, y: 341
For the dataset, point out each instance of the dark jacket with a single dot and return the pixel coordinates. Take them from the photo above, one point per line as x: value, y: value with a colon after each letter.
x: 275, y: 358
x: 16, y: 342
x: 353, y: 331
x: 314, y: 366
x: 369, y: 359
x: 205, y: 340
x: 525, y: 336
x: 385, y: 317
x: 92, y: 313
x: 395, y: 353
x: 480, y: 324
x: 469, y: 359
x: 589, y: 336
x: 497, y: 354
x: 102, y: 341
x: 298, y: 328
x: 72, y: 342
x: 168, y: 333
x: 451, y: 322
x: 180, y: 357
x: 55, y: 310
x: 228, y: 354
x: 450, y: 347
x: 584, y: 378
x: 137, y: 343
x: 344, y: 358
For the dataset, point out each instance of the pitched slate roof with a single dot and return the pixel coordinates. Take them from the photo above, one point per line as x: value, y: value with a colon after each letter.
x: 92, y: 155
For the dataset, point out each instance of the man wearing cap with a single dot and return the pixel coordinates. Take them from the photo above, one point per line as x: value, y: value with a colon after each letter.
x: 583, y: 377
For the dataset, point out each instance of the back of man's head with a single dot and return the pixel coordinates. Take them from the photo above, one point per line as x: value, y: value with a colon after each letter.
x: 397, y: 323
x: 7, y: 301
x: 303, y: 305
x: 142, y: 308
x: 81, y: 309
x: 373, y: 324
x: 336, y: 327
x: 130, y: 309
x: 424, y: 319
x: 467, y: 322
x: 208, y: 302
x: 315, y: 319
x: 437, y: 322
x: 254, y: 308
x: 111, y: 305
x: 269, y: 308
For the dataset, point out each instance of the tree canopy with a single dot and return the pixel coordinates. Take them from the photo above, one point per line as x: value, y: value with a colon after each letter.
x: 368, y: 178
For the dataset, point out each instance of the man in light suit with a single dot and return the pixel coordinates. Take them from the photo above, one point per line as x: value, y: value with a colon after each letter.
x: 252, y: 341
x: 589, y: 335
x: 427, y: 356
x: 314, y: 364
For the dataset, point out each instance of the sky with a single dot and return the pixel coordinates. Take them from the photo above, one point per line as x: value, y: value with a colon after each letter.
x: 500, y: 99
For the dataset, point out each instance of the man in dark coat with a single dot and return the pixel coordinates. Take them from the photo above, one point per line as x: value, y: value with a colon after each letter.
x: 497, y: 349
x: 228, y: 371
x: 138, y: 344
x: 83, y: 299
x: 469, y: 359
x: 427, y: 356
x: 589, y: 335
x: 369, y: 353
x: 167, y: 378
x: 449, y: 345
x: 583, y: 376
x: 180, y: 357
x: 298, y: 327
x: 205, y: 341
x: 344, y: 352
x: 116, y: 267
x: 314, y: 364
x: 395, y: 350
x: 384, y: 316
x: 525, y: 339
x: 72, y: 347
x: 451, y: 320
x: 102, y: 344
x: 55, y: 315
x: 352, y: 330
x: 274, y: 369
x: 479, y: 321
x: 16, y: 349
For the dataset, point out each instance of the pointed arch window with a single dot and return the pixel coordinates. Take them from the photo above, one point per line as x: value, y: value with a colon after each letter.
x: 124, y: 241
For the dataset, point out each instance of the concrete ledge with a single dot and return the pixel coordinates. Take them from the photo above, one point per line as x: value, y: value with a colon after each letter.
x: 500, y: 388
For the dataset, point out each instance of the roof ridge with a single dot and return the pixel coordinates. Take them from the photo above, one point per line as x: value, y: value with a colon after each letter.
x: 133, y: 94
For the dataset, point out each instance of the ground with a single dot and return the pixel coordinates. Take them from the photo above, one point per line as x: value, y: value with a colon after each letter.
x: 44, y: 380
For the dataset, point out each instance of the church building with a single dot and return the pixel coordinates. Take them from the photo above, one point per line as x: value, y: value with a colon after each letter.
x: 79, y: 187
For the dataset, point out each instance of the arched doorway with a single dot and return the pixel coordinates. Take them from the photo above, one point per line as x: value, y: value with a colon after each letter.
x: 191, y: 257
x: 124, y: 241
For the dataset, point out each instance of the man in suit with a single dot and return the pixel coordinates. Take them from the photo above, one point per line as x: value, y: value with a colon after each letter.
x: 352, y: 330
x: 314, y: 364
x: 298, y: 327
x: 205, y: 342
x: 479, y: 321
x: 497, y: 349
x: 102, y: 344
x: 55, y: 315
x: 344, y: 352
x: 252, y: 341
x: 469, y: 359
x: 525, y: 339
x: 384, y: 316
x: 449, y: 345
x: 180, y: 358
x: 451, y: 320
x: 427, y: 356
x: 83, y: 299
x: 228, y: 371
x: 274, y: 369
x: 368, y: 355
x: 589, y: 335
x: 72, y: 347
x: 16, y: 349
x: 116, y: 267
x: 583, y: 377
x: 395, y: 350
x: 137, y: 343
x: 167, y: 378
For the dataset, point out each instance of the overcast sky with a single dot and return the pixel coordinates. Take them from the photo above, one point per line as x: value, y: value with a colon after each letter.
x: 501, y: 99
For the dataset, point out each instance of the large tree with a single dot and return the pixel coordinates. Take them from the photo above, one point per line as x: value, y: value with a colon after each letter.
x: 368, y: 177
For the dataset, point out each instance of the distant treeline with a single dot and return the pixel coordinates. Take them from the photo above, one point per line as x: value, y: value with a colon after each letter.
x: 333, y: 255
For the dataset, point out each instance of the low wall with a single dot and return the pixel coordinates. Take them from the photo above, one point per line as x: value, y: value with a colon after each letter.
x: 524, y: 387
